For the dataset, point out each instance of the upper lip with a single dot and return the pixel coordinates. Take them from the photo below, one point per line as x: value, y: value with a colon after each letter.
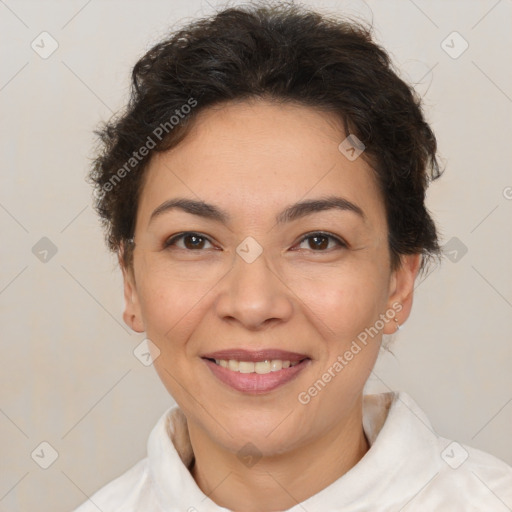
x: 240, y: 354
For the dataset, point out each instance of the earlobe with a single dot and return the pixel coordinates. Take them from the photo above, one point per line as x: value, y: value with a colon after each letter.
x: 133, y: 322
x: 402, y: 291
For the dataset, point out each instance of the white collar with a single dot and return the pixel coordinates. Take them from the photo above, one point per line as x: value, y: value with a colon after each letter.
x: 402, y: 457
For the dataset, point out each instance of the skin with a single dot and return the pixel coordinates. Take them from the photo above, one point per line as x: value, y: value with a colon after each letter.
x: 253, y: 159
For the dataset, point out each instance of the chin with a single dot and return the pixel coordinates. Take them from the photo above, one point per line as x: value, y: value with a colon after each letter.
x: 271, y: 431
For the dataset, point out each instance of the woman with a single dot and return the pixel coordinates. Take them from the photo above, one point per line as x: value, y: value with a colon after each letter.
x: 264, y: 191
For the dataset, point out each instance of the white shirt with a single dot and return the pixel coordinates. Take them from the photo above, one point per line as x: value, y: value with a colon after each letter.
x: 408, y: 468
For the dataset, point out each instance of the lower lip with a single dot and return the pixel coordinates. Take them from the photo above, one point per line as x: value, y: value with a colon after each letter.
x: 255, y: 383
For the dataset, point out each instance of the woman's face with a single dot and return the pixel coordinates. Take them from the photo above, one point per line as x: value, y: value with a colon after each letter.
x: 258, y: 276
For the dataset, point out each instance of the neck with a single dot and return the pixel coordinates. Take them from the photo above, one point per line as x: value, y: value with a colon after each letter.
x: 281, y: 481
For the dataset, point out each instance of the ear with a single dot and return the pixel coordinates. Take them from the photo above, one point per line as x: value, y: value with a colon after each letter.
x: 132, y: 313
x: 401, y: 289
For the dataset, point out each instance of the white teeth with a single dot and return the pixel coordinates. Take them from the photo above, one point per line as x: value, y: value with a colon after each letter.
x: 246, y: 367
x: 276, y: 365
x: 260, y: 367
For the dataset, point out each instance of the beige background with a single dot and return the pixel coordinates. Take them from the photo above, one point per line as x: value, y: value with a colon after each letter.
x: 68, y: 375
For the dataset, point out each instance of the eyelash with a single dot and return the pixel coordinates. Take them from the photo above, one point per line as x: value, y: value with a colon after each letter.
x: 172, y: 240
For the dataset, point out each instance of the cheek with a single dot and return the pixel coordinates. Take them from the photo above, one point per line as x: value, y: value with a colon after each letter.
x: 343, y: 301
x: 344, y: 311
x: 171, y: 307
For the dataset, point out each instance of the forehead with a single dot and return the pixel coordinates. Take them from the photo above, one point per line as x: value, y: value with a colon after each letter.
x: 254, y: 156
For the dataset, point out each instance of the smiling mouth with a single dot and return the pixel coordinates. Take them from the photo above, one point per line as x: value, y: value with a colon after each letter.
x: 259, y: 376
x: 259, y: 367
x: 257, y: 370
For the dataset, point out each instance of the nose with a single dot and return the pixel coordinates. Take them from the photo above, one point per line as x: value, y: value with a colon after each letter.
x: 254, y: 295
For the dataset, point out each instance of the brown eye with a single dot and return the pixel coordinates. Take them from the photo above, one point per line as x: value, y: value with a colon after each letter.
x: 188, y: 241
x: 319, y: 242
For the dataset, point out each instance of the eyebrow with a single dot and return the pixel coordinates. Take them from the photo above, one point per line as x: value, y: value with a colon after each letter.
x: 289, y: 214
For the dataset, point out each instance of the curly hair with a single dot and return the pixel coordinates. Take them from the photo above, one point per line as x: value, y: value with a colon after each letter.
x: 281, y: 52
